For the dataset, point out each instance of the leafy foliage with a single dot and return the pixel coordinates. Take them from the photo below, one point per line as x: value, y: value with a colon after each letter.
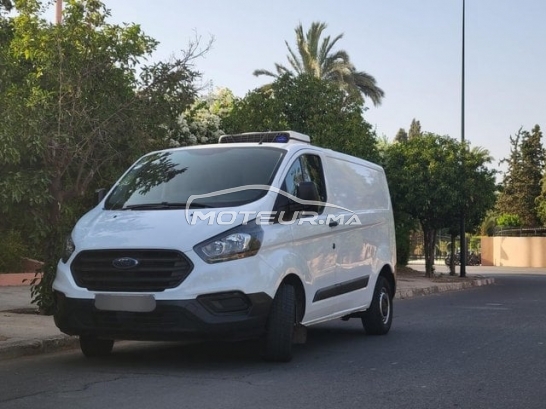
x: 541, y: 202
x: 414, y: 129
x: 479, y: 187
x: 522, y: 181
x: 318, y: 59
x: 489, y: 223
x: 428, y: 183
x: 6, y: 5
x: 509, y: 220
x: 200, y: 123
x: 401, y: 136
x: 404, y: 225
x: 12, y: 249
x: 75, y: 113
x: 308, y: 105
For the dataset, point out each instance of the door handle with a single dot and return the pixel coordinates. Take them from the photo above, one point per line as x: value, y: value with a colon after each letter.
x: 333, y: 223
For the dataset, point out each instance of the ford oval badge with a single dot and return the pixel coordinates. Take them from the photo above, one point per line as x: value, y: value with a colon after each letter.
x: 125, y: 262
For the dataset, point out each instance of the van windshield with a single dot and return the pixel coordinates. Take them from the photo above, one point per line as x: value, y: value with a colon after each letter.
x: 164, y: 180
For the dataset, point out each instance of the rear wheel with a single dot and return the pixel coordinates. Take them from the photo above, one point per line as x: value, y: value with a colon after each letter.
x: 377, y: 319
x: 280, y: 325
x: 93, y: 347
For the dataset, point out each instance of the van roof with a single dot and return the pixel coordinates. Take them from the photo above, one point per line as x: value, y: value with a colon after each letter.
x: 285, y: 140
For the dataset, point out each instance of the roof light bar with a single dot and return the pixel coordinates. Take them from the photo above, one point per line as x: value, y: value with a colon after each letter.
x: 265, y: 137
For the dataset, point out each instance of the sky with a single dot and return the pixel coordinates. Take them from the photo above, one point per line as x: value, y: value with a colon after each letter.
x: 413, y: 48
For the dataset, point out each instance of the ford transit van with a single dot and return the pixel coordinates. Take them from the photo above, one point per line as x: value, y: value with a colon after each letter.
x: 258, y: 236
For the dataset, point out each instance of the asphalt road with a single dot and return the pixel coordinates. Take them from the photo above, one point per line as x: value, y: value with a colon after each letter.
x: 479, y: 348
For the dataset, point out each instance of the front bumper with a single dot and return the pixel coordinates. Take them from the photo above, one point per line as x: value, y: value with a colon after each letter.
x: 231, y: 315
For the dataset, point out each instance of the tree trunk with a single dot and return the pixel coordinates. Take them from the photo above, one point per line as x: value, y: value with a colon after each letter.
x: 452, y: 258
x: 430, y: 242
x: 42, y: 293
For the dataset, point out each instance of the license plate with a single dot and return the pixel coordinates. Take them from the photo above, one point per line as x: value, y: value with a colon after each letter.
x: 130, y: 303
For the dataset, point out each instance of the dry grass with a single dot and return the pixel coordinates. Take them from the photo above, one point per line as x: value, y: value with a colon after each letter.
x: 408, y: 272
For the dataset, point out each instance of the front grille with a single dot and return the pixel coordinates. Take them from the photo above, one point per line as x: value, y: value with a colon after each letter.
x: 156, y: 270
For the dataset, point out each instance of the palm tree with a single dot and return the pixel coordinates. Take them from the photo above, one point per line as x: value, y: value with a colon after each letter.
x: 322, y: 62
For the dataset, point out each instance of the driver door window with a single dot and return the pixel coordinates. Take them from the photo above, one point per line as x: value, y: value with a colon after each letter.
x: 306, y: 168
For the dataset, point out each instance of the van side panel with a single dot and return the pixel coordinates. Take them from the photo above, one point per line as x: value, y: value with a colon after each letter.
x: 364, y: 243
x: 356, y: 186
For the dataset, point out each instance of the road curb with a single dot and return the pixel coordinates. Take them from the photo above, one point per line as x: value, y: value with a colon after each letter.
x: 443, y: 287
x: 18, y: 348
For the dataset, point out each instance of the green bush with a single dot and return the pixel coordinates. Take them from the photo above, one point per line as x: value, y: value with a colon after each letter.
x: 402, y: 248
x: 12, y: 249
x: 475, y: 244
x: 509, y: 220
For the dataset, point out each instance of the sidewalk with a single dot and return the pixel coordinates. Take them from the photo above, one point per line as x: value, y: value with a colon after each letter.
x: 24, y: 332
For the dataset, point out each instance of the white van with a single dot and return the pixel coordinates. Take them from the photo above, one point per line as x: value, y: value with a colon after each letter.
x: 258, y: 236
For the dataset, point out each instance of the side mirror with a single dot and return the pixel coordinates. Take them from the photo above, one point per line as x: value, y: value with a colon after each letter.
x: 308, y: 191
x: 99, y: 195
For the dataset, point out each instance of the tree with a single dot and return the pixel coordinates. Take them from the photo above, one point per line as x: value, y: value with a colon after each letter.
x: 477, y: 188
x: 424, y: 177
x: 308, y: 105
x: 521, y: 184
x: 382, y: 143
x: 489, y: 223
x: 509, y: 221
x: 404, y: 223
x: 200, y: 123
x: 220, y: 101
x: 541, y: 202
x: 421, y: 184
x: 74, y: 111
x: 415, y: 129
x: 6, y: 5
x: 319, y: 60
x: 401, y: 136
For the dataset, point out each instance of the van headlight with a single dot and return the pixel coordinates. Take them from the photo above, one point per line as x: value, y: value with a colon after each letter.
x: 69, y: 248
x: 243, y: 241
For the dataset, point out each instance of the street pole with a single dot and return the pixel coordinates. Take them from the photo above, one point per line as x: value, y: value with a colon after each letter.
x: 59, y: 11
x: 463, y: 230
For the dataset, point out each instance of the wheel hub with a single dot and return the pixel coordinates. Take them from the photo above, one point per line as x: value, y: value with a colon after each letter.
x: 384, y: 305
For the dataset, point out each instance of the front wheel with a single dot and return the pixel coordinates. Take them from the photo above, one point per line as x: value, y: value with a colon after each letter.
x: 377, y: 319
x: 280, y: 325
x: 93, y: 347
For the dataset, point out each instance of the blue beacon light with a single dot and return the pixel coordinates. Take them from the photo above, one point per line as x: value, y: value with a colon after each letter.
x: 281, y: 138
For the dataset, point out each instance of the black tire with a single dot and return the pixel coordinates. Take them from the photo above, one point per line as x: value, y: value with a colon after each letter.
x: 280, y: 325
x: 93, y: 347
x: 377, y: 319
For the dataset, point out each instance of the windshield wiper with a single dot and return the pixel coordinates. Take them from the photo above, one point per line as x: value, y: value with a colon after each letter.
x: 164, y: 205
